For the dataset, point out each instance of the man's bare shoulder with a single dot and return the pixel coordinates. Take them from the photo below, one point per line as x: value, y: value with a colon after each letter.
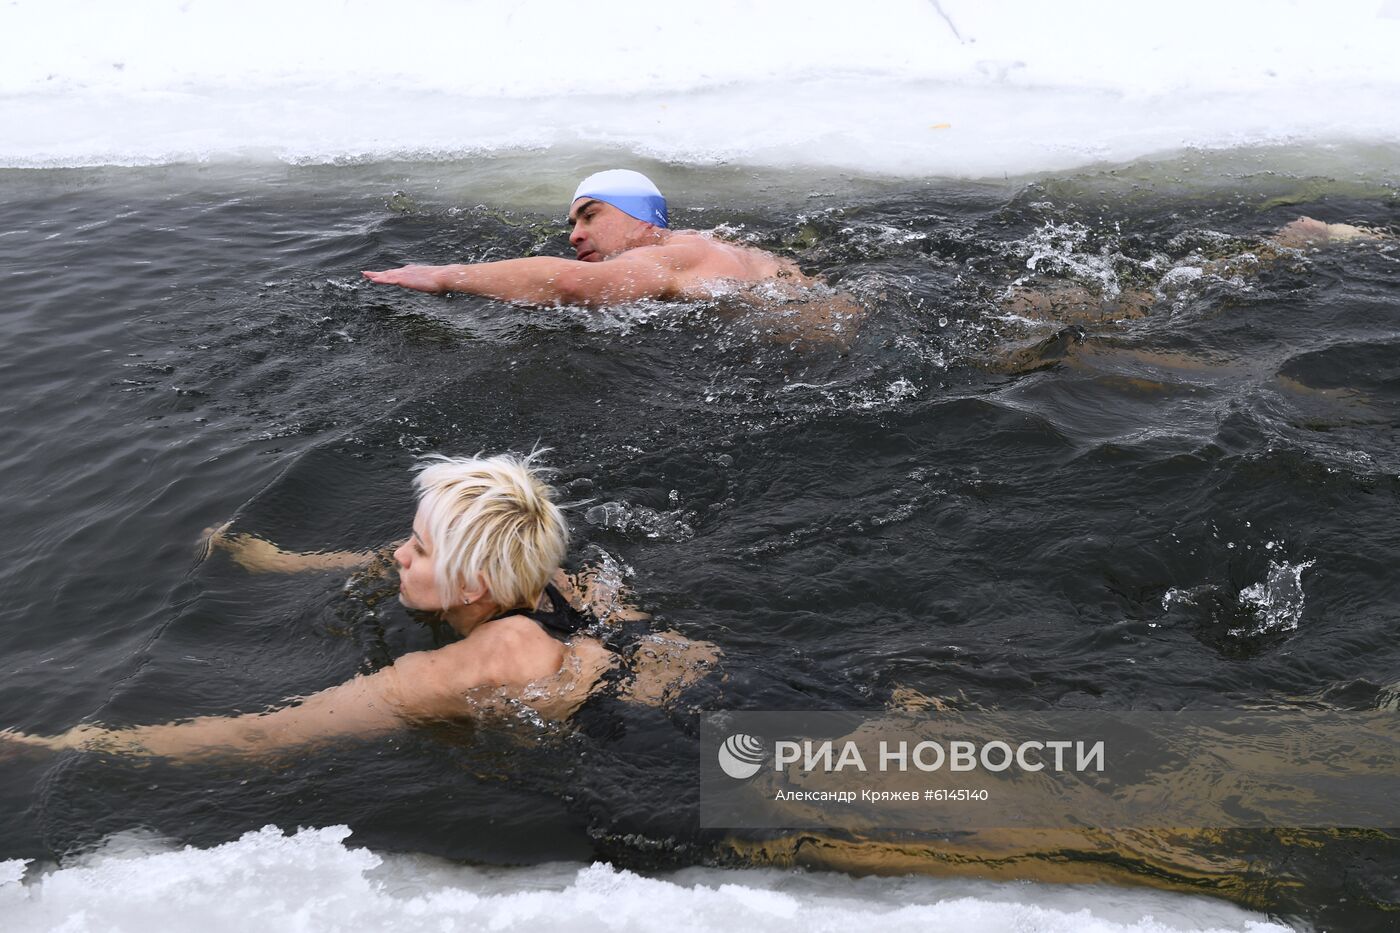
x: 682, y: 250
x: 703, y: 257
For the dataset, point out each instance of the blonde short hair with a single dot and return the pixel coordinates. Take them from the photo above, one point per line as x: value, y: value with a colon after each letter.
x: 491, y: 519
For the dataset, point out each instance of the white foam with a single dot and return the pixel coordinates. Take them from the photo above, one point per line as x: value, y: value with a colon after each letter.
x: 312, y: 881
x: 953, y: 87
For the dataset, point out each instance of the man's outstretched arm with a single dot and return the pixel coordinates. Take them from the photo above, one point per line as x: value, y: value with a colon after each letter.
x: 645, y: 272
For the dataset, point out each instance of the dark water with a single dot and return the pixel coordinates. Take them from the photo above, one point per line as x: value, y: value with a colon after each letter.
x: 1192, y: 509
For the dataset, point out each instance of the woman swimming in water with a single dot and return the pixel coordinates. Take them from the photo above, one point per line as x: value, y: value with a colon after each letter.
x: 484, y: 554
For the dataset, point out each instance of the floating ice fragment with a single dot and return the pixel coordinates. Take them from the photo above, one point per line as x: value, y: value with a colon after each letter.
x: 12, y: 871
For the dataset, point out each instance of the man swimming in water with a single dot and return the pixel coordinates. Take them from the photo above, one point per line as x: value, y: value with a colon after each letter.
x: 626, y: 251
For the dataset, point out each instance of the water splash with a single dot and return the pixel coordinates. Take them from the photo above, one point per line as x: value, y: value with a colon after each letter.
x: 610, y: 584
x: 1067, y: 250
x: 626, y: 518
x: 1276, y: 601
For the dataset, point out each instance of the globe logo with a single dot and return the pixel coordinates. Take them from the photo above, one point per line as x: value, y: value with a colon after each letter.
x: 741, y: 756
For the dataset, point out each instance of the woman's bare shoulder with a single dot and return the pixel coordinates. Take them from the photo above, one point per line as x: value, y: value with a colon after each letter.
x: 515, y: 649
x: 507, y: 652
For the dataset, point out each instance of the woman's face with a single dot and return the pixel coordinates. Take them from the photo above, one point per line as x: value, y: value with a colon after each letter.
x: 418, y: 584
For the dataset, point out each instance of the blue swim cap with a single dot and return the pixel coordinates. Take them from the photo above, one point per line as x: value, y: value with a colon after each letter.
x: 628, y: 191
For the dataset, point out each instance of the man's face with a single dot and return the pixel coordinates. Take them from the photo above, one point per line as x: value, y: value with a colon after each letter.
x: 601, y: 231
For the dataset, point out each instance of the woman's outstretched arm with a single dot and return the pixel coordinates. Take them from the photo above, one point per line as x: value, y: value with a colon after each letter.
x: 418, y: 687
x: 258, y: 555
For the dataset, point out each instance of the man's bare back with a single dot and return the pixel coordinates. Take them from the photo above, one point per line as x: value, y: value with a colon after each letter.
x: 713, y: 266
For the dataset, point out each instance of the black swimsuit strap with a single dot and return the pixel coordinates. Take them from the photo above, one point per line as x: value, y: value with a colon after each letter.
x: 560, y: 620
